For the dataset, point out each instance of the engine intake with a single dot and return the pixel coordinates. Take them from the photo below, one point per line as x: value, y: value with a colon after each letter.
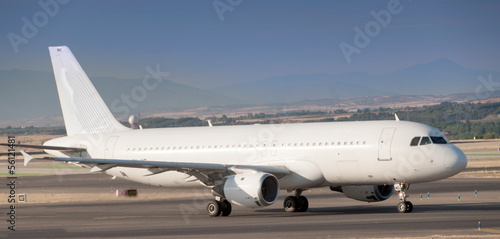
x: 367, y: 193
x: 250, y: 189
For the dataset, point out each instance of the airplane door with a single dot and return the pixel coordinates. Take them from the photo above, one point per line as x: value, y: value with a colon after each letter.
x: 110, y: 146
x: 384, y: 144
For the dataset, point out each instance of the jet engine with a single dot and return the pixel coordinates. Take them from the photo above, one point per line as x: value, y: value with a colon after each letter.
x: 366, y: 193
x: 249, y: 189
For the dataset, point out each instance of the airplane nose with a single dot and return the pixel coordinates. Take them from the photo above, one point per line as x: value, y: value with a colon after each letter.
x: 455, y: 160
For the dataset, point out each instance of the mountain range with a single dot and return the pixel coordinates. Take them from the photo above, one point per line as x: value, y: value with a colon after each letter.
x: 31, y: 94
x: 439, y: 77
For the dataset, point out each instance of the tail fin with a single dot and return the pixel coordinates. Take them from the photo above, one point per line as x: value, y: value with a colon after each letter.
x: 83, y: 109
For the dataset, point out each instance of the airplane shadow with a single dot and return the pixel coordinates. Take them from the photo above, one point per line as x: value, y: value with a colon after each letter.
x: 369, y: 209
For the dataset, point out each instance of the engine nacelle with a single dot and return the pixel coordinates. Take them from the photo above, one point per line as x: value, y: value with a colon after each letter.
x: 368, y: 193
x: 250, y: 189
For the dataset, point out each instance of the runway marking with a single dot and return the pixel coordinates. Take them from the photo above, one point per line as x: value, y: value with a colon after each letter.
x: 126, y: 217
x: 116, y: 217
x: 490, y: 231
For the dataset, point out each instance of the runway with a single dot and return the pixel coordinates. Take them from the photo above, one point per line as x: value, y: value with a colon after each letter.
x: 331, y: 214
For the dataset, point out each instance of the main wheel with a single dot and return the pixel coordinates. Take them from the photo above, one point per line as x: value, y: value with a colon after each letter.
x: 290, y: 204
x: 303, y: 204
x: 402, y: 207
x: 409, y: 207
x: 213, y: 208
x: 225, y: 208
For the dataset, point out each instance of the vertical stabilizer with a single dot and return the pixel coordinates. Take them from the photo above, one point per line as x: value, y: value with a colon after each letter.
x: 83, y: 109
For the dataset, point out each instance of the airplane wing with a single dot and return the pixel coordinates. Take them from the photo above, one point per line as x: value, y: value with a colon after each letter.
x: 201, y: 171
x: 45, y: 147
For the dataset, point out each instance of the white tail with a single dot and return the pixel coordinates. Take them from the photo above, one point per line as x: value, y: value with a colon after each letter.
x: 83, y: 109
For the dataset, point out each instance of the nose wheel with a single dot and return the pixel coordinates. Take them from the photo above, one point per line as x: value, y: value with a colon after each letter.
x: 403, y: 206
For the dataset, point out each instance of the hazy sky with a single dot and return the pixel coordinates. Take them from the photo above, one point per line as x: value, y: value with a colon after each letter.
x: 248, y: 40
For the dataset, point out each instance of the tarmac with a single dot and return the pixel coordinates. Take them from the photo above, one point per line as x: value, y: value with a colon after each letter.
x: 182, y: 212
x: 64, y: 201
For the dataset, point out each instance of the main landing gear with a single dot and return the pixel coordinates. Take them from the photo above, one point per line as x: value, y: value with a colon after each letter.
x: 296, y: 203
x: 403, y: 205
x: 216, y: 208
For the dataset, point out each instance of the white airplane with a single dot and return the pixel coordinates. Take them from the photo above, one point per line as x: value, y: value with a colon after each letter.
x: 248, y: 165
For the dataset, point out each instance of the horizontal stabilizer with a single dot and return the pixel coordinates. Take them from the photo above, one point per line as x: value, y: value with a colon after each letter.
x: 61, y: 148
x: 27, y: 157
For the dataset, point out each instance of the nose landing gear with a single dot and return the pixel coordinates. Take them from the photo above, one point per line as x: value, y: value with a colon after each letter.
x: 403, y: 206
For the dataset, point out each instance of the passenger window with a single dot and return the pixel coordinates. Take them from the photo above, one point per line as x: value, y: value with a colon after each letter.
x: 438, y: 140
x: 425, y: 140
x: 414, y: 141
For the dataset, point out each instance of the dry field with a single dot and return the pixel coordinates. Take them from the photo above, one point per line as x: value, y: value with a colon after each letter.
x: 483, y: 156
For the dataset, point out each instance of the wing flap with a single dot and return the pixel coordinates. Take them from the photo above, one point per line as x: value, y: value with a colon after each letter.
x: 101, y: 168
x: 156, y: 167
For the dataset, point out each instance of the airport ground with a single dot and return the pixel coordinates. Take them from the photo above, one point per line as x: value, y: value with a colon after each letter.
x: 64, y: 201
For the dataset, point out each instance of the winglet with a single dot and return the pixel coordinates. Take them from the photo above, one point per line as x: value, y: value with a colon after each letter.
x: 27, y: 157
x: 397, y: 118
x: 209, y: 123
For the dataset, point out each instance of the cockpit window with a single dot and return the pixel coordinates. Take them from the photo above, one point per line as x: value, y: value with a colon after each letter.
x: 425, y: 140
x: 438, y: 140
x: 414, y: 141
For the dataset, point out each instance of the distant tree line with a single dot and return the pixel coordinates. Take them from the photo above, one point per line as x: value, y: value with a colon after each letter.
x: 160, y: 122
x: 31, y: 130
x: 461, y: 121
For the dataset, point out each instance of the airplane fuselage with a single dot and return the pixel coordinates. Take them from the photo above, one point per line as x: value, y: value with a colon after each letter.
x: 317, y: 154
